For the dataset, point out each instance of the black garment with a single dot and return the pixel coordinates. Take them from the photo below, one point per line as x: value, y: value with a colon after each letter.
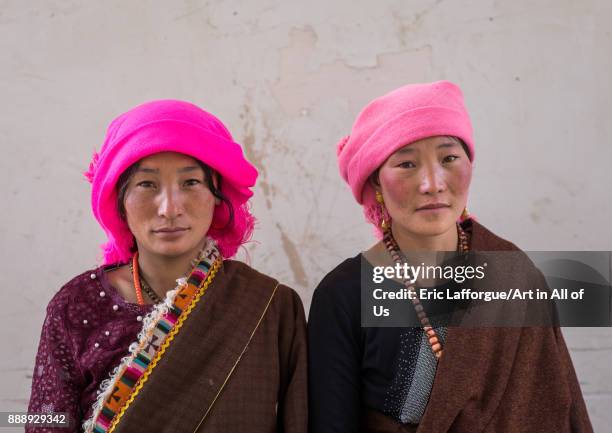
x: 490, y: 379
x: 351, y: 367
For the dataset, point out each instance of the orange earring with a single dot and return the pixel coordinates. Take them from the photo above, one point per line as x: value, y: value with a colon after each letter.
x: 465, y: 214
x: 384, y: 224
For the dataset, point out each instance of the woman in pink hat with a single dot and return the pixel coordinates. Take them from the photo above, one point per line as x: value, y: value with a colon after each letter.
x: 169, y: 334
x: 408, y: 162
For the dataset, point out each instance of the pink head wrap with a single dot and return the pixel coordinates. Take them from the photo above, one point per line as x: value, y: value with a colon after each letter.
x: 392, y: 121
x: 177, y: 126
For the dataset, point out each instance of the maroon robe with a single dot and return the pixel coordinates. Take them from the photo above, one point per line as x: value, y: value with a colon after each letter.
x: 237, y: 364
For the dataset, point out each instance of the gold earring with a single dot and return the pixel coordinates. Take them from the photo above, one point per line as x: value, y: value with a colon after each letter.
x: 384, y: 224
x: 465, y: 214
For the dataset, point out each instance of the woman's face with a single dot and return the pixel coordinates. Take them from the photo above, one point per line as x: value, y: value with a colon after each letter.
x: 168, y: 205
x: 425, y: 185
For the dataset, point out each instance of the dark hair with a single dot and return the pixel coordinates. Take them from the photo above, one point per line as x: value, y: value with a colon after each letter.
x: 126, y: 176
x: 465, y: 148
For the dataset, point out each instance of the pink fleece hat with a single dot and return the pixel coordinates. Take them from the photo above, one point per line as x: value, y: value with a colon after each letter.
x: 177, y: 126
x: 394, y: 120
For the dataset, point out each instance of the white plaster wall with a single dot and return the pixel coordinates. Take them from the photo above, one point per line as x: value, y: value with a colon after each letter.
x: 288, y: 78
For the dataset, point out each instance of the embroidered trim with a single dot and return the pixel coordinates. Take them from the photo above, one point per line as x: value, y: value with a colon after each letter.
x: 237, y: 360
x: 165, y: 345
x: 117, y: 391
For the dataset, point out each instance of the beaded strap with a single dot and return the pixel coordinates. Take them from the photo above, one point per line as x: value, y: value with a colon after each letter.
x: 141, y: 285
x: 149, y: 291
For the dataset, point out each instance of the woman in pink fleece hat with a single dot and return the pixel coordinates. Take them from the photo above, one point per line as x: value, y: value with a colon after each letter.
x: 408, y: 161
x: 169, y: 334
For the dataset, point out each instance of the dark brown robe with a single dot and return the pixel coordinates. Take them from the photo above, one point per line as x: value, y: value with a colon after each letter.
x: 237, y: 365
x: 500, y: 379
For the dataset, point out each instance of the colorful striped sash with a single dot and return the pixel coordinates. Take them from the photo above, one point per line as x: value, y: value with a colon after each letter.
x: 159, y: 328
